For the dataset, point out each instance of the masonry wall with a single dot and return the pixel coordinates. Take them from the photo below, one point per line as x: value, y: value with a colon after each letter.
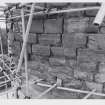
x: 67, y: 46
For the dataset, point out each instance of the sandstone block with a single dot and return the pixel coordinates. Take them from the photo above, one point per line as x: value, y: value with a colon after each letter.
x: 41, y: 50
x: 50, y: 39
x: 53, y: 25
x: 36, y: 26
x: 89, y: 55
x: 57, y: 61
x: 75, y: 25
x: 94, y: 85
x: 83, y: 75
x: 74, y: 40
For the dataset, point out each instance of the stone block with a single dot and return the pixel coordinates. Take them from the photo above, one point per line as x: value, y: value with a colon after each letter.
x: 53, y: 25
x: 32, y: 38
x: 91, y: 13
x: 102, y: 30
x: 74, y: 83
x: 61, y: 51
x: 100, y: 77
x: 96, y: 41
x: 56, y: 5
x: 36, y: 26
x: 89, y: 55
x: 41, y: 50
x: 102, y: 67
x: 61, y: 69
x: 70, y: 53
x: 75, y: 25
x: 94, y: 85
x: 57, y: 61
x: 57, y: 51
x: 74, y: 40
x: 50, y: 39
x: 72, y: 63
x: 92, y: 29
x: 74, y: 14
x: 87, y: 67
x: 83, y: 75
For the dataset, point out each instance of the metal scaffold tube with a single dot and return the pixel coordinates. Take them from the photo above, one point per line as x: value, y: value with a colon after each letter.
x: 90, y: 93
x: 25, y: 52
x: 25, y: 38
x: 57, y: 12
x: 71, y: 89
x: 46, y: 91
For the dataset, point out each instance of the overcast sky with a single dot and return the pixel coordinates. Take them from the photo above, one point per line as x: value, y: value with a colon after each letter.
x: 2, y: 24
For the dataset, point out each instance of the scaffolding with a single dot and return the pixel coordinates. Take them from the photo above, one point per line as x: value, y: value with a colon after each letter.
x: 30, y: 13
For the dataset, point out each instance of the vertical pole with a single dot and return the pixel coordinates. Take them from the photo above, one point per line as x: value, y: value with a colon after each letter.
x: 25, y: 38
x: 6, y: 86
x: 25, y: 51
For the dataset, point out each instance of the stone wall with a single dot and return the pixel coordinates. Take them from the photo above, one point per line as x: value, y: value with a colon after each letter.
x: 68, y: 46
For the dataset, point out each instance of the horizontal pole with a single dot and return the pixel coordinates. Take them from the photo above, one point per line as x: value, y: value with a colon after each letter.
x: 27, y: 5
x: 60, y: 88
x: 2, y: 77
x: 5, y: 82
x: 71, y: 89
x: 9, y: 80
x: 57, y: 12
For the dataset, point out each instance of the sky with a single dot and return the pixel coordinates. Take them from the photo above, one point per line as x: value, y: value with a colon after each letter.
x: 2, y: 24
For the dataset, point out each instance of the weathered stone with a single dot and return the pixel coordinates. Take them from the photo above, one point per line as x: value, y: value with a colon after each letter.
x: 102, y: 67
x: 53, y: 25
x: 77, y: 84
x: 92, y: 29
x: 56, y: 5
x: 57, y: 61
x: 41, y: 50
x: 57, y: 51
x: 74, y: 14
x: 94, y: 85
x: 75, y: 25
x: 71, y: 63
x: 89, y: 55
x: 102, y: 30
x: 70, y: 53
x: 50, y: 39
x: 100, y: 77
x: 61, y: 69
x: 42, y: 59
x: 87, y: 67
x: 61, y: 51
x: 76, y: 5
x: 96, y: 41
x: 32, y: 38
x: 74, y: 40
x: 91, y: 13
x: 36, y: 26
x: 83, y: 75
